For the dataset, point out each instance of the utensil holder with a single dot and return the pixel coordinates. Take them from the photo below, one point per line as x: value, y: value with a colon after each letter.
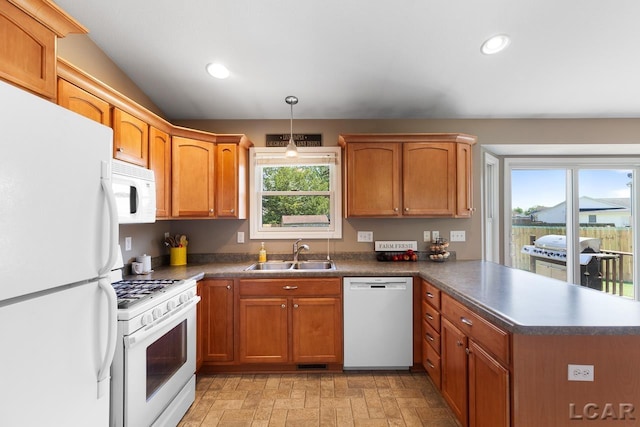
x: 178, y: 256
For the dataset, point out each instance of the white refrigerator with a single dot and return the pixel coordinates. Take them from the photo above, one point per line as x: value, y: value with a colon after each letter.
x: 58, y: 241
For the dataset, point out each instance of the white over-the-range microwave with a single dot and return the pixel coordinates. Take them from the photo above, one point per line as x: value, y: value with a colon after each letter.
x: 134, y: 188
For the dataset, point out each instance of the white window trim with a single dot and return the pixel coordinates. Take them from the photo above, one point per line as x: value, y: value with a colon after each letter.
x: 491, y: 208
x: 276, y: 156
x: 573, y: 164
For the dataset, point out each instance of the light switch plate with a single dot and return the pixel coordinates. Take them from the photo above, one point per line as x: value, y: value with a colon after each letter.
x: 240, y: 237
x: 365, y: 236
x: 426, y: 236
x: 127, y: 243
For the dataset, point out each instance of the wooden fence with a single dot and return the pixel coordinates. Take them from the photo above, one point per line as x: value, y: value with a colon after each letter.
x: 617, y: 240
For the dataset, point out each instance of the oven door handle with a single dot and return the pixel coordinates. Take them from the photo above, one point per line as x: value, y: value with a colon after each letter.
x: 137, y: 337
x: 112, y: 336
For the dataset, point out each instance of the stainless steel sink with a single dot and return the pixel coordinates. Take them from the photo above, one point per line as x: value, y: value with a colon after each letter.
x: 291, y: 266
x: 271, y: 265
x: 314, y: 265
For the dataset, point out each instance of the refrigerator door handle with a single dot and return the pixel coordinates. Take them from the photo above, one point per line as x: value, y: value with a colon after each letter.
x: 105, y: 180
x: 105, y: 367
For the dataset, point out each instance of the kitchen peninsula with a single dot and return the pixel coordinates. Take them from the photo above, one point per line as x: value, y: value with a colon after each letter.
x: 548, y: 326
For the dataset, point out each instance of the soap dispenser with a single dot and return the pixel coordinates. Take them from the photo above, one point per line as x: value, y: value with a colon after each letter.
x: 262, y: 253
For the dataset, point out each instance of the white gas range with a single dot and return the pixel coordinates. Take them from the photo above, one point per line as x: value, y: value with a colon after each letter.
x: 153, y: 372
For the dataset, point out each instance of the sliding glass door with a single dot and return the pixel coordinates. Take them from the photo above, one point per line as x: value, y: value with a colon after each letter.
x: 572, y: 219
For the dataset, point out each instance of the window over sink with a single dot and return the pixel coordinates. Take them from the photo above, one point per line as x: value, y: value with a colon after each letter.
x: 295, y: 197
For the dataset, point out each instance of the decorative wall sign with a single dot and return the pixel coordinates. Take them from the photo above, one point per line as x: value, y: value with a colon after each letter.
x: 301, y: 139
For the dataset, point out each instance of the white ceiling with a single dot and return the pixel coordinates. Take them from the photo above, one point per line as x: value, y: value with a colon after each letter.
x: 368, y: 59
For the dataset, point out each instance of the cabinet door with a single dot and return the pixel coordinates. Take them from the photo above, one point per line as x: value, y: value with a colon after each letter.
x: 373, y: 179
x: 227, y: 181
x: 27, y: 51
x: 488, y: 390
x: 464, y: 181
x: 453, y: 344
x: 317, y: 330
x: 82, y: 102
x: 160, y: 164
x: 192, y: 184
x: 429, y: 179
x: 130, y: 138
x: 263, y: 330
x: 217, y: 320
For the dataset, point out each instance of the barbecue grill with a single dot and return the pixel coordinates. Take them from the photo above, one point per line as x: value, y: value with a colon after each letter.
x: 548, y: 257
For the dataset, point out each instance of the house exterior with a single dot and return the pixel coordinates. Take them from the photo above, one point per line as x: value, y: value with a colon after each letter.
x: 615, y: 212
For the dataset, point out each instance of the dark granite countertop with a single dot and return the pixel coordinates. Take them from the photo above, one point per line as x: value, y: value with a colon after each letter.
x: 519, y: 301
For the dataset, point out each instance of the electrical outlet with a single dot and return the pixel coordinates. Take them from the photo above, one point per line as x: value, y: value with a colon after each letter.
x: 426, y: 236
x: 166, y: 234
x: 240, y: 237
x: 457, y: 236
x: 127, y: 243
x: 580, y: 373
x: 435, y: 235
x: 365, y: 236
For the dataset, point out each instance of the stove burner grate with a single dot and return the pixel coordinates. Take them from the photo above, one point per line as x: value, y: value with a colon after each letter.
x: 130, y: 292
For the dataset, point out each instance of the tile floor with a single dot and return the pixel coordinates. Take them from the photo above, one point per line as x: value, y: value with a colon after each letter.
x: 318, y: 399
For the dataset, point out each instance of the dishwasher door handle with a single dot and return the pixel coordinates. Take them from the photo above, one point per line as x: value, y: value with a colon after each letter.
x: 385, y: 286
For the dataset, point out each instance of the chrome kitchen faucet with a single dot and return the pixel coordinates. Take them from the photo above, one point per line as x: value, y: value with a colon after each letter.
x: 298, y: 248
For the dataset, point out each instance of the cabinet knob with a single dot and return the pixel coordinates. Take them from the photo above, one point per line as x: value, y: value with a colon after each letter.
x: 233, y: 210
x: 120, y: 150
x: 395, y: 209
x: 283, y: 306
x: 431, y: 365
x: 406, y: 209
x: 210, y: 210
x: 429, y: 337
x: 467, y: 350
x: 295, y: 305
x: 428, y: 316
x: 459, y: 343
x: 228, y: 286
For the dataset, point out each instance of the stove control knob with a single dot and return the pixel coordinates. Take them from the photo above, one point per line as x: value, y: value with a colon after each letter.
x: 157, y: 313
x: 171, y: 305
x: 184, y: 298
x: 147, y: 319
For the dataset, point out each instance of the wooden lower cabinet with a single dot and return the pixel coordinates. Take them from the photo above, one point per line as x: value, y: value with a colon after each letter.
x: 475, y: 383
x: 488, y: 389
x: 216, y: 323
x: 294, y: 321
x: 454, y: 370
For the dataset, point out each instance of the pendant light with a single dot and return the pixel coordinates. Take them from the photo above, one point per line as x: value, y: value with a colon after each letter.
x: 292, y: 150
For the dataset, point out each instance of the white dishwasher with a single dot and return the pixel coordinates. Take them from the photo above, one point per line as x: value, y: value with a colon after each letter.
x: 378, y: 322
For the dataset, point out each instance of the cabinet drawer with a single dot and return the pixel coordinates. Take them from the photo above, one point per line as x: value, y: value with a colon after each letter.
x: 431, y: 294
x: 492, y: 338
x: 431, y: 363
x: 431, y: 316
x: 291, y: 287
x: 431, y: 336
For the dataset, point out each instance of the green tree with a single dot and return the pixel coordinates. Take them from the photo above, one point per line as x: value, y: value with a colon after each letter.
x: 294, y: 178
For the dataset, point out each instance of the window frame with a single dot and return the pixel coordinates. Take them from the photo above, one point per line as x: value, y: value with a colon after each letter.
x: 572, y: 165
x: 307, y: 156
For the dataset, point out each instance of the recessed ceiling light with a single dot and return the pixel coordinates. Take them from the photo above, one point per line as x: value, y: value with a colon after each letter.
x: 218, y: 71
x: 495, y: 44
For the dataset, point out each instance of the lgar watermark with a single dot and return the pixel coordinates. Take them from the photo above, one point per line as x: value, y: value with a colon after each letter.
x: 610, y: 411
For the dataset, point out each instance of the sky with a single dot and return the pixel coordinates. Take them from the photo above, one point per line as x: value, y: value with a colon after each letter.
x: 547, y: 187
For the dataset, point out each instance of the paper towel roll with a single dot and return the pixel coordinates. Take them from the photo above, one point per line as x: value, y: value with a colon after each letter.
x: 146, y: 262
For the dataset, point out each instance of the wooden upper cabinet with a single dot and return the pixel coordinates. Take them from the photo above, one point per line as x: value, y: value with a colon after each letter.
x: 231, y: 176
x: 160, y: 164
x: 429, y: 179
x: 408, y: 175
x: 130, y: 138
x: 29, y: 30
x: 193, y: 178
x: 464, y: 181
x: 373, y: 179
x: 82, y: 102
